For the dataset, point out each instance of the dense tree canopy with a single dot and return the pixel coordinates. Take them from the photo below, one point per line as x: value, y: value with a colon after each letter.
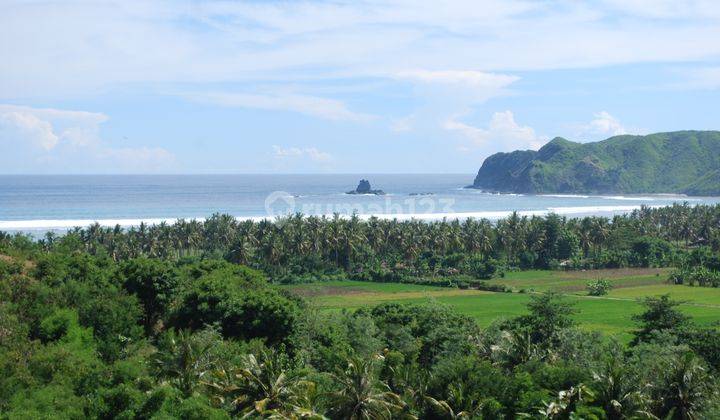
x: 164, y: 322
x: 298, y: 248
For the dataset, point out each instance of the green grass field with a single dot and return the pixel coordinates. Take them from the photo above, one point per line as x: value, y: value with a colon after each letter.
x: 575, y: 281
x: 611, y: 314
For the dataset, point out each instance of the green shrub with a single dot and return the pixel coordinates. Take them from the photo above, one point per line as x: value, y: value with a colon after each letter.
x: 241, y: 302
x: 696, y: 276
x: 481, y: 268
x: 599, y: 287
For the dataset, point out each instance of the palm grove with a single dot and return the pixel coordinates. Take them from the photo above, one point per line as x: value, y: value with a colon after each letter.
x: 184, y: 321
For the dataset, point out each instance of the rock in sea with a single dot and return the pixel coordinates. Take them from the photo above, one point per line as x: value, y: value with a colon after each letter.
x: 365, y: 188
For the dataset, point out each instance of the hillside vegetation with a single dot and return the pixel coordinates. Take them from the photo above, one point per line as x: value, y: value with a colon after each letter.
x: 183, y: 321
x: 83, y: 336
x: 685, y: 162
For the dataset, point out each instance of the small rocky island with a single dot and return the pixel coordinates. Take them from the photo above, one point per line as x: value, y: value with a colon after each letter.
x: 365, y: 188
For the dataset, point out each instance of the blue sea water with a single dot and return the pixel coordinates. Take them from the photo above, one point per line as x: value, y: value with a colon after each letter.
x: 42, y: 203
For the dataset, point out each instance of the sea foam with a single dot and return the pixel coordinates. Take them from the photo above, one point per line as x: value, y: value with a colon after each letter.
x: 60, y: 224
x: 565, y: 195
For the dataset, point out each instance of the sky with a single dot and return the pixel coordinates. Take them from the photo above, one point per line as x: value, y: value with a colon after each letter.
x: 362, y: 86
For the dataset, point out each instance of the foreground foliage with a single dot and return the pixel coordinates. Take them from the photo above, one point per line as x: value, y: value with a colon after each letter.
x: 113, y: 324
x: 82, y: 336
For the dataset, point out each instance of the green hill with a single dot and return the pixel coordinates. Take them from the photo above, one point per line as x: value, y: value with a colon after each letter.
x: 677, y: 162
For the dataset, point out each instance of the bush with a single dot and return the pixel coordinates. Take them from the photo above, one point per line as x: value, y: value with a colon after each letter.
x: 57, y: 325
x: 8, y: 268
x: 703, y: 256
x: 483, y: 268
x: 241, y: 302
x: 308, y: 278
x: 696, y: 276
x: 599, y: 287
x: 651, y: 252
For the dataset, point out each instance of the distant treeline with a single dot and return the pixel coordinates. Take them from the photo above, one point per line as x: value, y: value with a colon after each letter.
x: 299, y: 247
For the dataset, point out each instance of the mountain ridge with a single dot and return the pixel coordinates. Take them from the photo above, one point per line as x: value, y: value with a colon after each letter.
x: 686, y: 162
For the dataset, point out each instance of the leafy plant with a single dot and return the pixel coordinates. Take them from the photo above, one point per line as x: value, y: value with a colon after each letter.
x: 599, y: 287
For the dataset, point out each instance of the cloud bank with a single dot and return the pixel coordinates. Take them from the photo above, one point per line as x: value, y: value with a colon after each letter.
x: 69, y: 141
x: 324, y: 108
x: 76, y: 47
x: 502, y: 134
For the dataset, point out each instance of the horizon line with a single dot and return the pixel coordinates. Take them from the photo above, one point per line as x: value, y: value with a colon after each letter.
x: 244, y: 173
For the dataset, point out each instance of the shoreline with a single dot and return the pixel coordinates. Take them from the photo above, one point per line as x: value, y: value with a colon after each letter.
x: 608, y: 195
x: 67, y: 224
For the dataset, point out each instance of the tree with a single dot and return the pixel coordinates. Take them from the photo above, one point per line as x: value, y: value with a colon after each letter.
x: 184, y: 358
x: 154, y: 282
x: 263, y: 387
x: 444, y: 411
x: 46, y: 402
x: 465, y: 382
x: 617, y: 390
x: 241, y: 302
x: 359, y: 395
x: 115, y: 318
x: 423, y: 332
x: 515, y: 347
x: 566, y: 404
x: 660, y: 315
x: 685, y: 390
x: 549, y: 313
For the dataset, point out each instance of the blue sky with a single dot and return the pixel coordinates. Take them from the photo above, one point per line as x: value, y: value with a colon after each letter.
x: 377, y: 86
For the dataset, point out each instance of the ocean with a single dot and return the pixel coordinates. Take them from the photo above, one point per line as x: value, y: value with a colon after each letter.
x: 56, y: 203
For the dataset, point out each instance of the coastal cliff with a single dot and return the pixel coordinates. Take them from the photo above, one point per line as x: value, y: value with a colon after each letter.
x: 686, y: 162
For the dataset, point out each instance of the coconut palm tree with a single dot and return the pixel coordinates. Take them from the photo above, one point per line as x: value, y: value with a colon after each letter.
x: 360, y: 395
x: 186, y: 358
x: 685, y: 390
x: 600, y: 231
x: 261, y: 387
x: 564, y: 407
x: 347, y: 242
x: 445, y: 411
x: 516, y: 347
x: 617, y: 390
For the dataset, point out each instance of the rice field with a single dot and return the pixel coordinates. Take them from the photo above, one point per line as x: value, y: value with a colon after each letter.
x: 611, y: 314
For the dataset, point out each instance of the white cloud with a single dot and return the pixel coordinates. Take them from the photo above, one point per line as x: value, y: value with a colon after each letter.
x: 447, y: 94
x: 502, y: 134
x: 602, y: 126
x: 459, y: 77
x: 318, y: 156
x: 309, y: 153
x: 458, y: 87
x: 76, y: 47
x: 605, y: 124
x: 666, y: 9
x: 329, y: 109
x: 29, y: 127
x: 284, y: 152
x: 48, y: 127
x: 68, y: 141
